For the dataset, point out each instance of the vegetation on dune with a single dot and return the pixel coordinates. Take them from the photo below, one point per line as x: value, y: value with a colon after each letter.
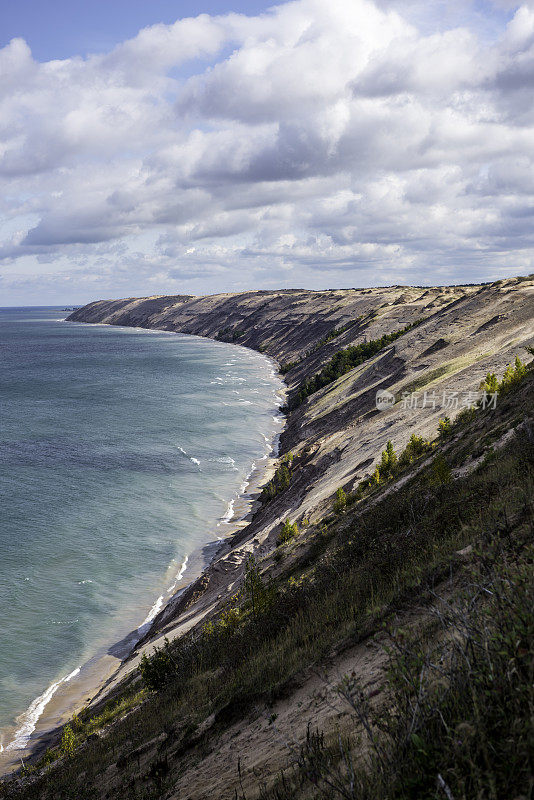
x: 340, y: 501
x: 513, y: 374
x: 335, y: 332
x: 392, y: 465
x: 456, y: 717
x: 280, y: 481
x: 288, y: 532
x: 230, y: 334
x: 343, y: 361
x: 356, y: 572
x: 284, y: 368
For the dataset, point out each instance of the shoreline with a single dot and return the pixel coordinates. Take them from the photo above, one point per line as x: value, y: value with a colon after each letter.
x: 89, y: 683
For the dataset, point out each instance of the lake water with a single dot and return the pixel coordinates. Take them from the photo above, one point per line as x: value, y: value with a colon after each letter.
x: 121, y: 452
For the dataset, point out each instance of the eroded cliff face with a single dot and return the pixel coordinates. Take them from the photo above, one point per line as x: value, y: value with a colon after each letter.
x: 336, y: 437
x: 284, y: 324
x: 337, y: 434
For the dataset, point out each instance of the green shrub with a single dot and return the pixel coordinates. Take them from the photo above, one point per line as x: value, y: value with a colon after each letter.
x: 229, y: 619
x: 440, y: 472
x: 68, y: 741
x: 280, y: 480
x: 375, y: 478
x: 230, y: 334
x: 157, y: 669
x: 334, y: 333
x: 288, y: 532
x: 388, y: 462
x: 490, y: 384
x: 387, y: 467
x: 284, y: 368
x: 416, y: 447
x: 444, y: 428
x: 340, y: 502
x: 512, y: 375
x: 343, y: 361
x: 258, y: 595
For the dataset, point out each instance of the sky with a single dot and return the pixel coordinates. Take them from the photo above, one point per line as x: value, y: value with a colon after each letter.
x: 178, y: 147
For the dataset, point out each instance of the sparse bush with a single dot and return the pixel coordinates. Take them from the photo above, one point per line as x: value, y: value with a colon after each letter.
x: 375, y: 478
x: 388, y: 462
x: 288, y: 532
x: 340, y: 502
x: 284, y: 368
x: 440, y: 471
x: 257, y: 593
x: 444, y: 428
x: 334, y: 333
x: 68, y: 741
x: 490, y: 384
x: 230, y: 334
x: 387, y: 467
x: 229, y: 619
x: 343, y: 361
x: 416, y: 447
x: 512, y: 375
x: 157, y: 669
x: 280, y: 481
x: 466, y: 415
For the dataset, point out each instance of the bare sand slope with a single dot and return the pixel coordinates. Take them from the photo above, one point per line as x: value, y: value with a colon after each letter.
x: 336, y: 437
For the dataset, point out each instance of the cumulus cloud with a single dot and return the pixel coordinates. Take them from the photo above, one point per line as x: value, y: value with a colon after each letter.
x: 321, y: 143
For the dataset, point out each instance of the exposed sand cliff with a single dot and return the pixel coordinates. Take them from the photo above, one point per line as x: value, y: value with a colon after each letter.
x: 338, y: 434
x: 336, y: 437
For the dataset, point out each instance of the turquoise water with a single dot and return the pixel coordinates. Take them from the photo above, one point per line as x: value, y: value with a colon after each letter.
x: 121, y: 451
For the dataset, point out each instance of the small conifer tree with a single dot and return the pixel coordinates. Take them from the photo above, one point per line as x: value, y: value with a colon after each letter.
x: 288, y: 532
x: 440, y: 472
x: 388, y: 462
x: 444, y: 428
x: 340, y: 502
x: 490, y: 384
x: 374, y: 480
x: 68, y: 741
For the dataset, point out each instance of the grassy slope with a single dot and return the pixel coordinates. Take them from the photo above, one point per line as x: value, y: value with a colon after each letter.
x: 333, y: 585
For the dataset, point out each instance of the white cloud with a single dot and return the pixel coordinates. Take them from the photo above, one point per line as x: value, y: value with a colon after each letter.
x: 323, y: 142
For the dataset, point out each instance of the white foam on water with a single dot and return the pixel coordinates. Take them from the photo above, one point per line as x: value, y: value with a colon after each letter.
x: 246, y: 482
x: 179, y: 576
x: 224, y: 460
x: 186, y: 454
x: 229, y: 513
x: 152, y: 614
x: 30, y: 717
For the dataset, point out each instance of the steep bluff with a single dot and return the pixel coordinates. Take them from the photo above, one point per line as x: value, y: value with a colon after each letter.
x: 221, y: 727
x: 338, y: 434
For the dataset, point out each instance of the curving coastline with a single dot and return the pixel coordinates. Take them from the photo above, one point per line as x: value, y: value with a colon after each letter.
x: 336, y: 436
x: 36, y: 725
